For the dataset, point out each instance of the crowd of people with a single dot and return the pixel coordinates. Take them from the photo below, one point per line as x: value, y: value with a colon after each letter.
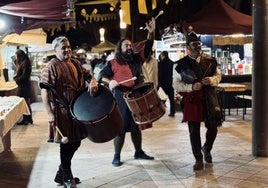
x: 67, y: 73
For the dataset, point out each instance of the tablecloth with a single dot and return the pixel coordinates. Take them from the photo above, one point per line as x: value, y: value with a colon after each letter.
x: 11, y: 110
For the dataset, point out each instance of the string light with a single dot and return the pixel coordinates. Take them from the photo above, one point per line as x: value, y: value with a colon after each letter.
x: 123, y: 25
x: 102, y: 31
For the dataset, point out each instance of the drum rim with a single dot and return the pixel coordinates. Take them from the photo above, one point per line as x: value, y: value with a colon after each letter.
x: 150, y: 121
x: 126, y: 95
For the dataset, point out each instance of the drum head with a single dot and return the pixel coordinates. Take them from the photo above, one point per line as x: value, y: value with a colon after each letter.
x: 90, y: 108
x: 140, y: 90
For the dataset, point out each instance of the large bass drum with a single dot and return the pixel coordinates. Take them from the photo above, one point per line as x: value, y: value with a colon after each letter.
x: 144, y: 103
x: 99, y: 114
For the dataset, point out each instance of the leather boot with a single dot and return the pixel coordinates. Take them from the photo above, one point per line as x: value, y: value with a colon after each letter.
x: 207, y: 155
x: 198, y: 165
x: 59, y: 177
x: 68, y: 180
x: 142, y: 155
x: 29, y: 119
x: 23, y: 122
x: 26, y: 120
x: 116, y: 160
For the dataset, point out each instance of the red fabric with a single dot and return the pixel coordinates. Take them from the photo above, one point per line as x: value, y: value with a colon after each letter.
x: 48, y: 10
x: 193, y: 106
x: 121, y: 73
x: 138, y: 47
x: 145, y: 126
x: 217, y: 17
x: 36, y: 14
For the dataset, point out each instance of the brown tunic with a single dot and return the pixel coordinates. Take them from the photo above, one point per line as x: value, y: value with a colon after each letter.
x: 67, y: 78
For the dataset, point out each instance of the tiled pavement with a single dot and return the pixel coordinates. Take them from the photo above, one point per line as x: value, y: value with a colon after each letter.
x: 33, y: 162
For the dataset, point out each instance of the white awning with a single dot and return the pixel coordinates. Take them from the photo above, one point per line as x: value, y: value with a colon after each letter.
x: 34, y: 36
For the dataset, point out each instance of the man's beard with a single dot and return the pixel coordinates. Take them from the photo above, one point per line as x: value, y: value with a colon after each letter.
x: 128, y: 56
x: 195, y: 53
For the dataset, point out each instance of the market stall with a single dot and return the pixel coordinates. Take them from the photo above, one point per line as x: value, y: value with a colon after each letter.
x: 103, y: 46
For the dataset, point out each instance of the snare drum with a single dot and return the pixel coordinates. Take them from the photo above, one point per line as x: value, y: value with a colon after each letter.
x: 144, y: 103
x: 99, y: 114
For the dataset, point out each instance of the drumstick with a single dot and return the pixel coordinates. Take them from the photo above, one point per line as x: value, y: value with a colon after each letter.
x: 64, y: 139
x: 133, y: 78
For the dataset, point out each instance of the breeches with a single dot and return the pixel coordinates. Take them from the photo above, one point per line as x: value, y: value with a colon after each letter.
x: 195, y: 138
x: 67, y: 152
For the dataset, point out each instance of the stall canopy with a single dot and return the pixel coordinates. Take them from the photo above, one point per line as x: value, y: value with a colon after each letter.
x: 32, y: 14
x: 34, y: 36
x: 40, y: 49
x: 217, y: 17
x: 103, y: 46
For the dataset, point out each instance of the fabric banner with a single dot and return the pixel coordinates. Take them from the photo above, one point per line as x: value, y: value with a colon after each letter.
x: 229, y: 40
x: 126, y: 11
x: 143, y: 8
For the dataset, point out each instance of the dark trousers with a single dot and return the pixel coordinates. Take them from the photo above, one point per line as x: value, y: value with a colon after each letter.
x: 194, y: 131
x: 67, y: 152
x: 170, y: 93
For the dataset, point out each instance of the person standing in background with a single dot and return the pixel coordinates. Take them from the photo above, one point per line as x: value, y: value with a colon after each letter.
x: 165, y: 79
x: 23, y: 80
x: 99, y: 66
x: 95, y: 61
x: 88, y: 65
x: 149, y: 69
x: 81, y: 56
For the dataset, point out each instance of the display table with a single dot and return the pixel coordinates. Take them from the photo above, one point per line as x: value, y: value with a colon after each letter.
x: 230, y: 87
x: 229, y: 90
x: 11, y: 110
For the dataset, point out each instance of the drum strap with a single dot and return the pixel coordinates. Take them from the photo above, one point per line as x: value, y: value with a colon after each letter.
x: 54, y: 93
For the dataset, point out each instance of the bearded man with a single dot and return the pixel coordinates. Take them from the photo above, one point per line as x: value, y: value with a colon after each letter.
x: 124, y: 66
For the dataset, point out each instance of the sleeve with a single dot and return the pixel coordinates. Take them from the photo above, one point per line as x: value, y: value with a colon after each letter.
x: 106, y: 73
x: 24, y: 74
x: 216, y: 78
x: 47, y: 77
x: 179, y: 81
x: 143, y: 49
x: 147, y: 48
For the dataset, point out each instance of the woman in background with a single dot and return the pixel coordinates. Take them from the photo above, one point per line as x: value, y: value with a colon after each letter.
x: 22, y: 79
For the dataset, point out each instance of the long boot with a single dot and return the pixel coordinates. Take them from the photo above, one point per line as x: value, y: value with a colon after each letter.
x: 29, y: 119
x: 68, y: 180
x: 59, y: 177
x: 26, y: 120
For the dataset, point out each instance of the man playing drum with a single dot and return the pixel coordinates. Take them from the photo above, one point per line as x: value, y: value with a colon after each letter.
x: 127, y: 65
x: 64, y: 76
